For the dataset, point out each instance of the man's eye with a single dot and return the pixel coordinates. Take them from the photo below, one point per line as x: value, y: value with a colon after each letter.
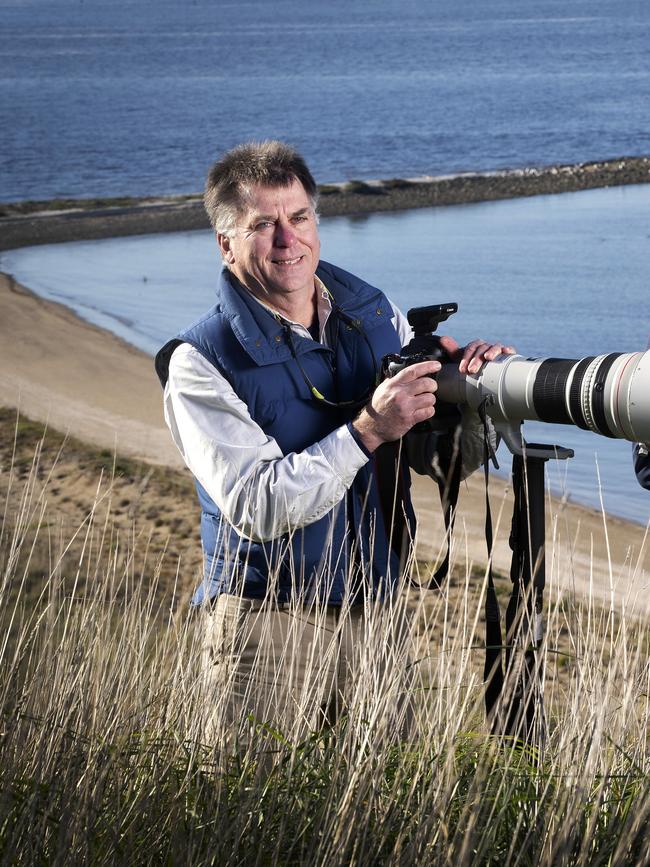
x: 262, y: 225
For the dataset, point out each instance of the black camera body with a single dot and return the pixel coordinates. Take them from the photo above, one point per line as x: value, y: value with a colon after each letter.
x: 425, y: 346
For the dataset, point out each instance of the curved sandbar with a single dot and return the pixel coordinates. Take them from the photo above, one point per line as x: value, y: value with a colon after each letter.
x: 29, y: 223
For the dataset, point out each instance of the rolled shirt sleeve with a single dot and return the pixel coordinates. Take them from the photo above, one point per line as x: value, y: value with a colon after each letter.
x: 261, y: 492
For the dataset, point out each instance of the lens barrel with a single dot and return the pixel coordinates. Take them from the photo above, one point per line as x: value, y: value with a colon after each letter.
x: 607, y: 394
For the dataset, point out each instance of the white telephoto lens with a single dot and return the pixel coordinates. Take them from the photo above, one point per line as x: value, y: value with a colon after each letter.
x: 607, y: 394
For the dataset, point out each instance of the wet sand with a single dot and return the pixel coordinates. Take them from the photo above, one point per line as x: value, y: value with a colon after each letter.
x: 61, y: 370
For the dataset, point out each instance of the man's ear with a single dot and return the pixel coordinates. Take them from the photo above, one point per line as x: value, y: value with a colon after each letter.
x: 226, y: 251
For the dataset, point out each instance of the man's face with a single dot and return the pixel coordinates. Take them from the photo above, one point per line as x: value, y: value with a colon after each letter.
x: 275, y: 249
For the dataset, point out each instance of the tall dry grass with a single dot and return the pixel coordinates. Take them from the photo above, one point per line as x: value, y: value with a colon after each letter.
x: 104, y: 755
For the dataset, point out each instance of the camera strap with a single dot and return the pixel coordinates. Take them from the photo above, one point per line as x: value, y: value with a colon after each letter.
x: 449, y: 488
x: 438, y: 457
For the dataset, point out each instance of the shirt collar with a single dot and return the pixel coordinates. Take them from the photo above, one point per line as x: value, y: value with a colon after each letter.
x: 323, y: 309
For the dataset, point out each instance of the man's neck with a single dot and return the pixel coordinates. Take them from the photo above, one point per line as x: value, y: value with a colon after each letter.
x: 300, y: 307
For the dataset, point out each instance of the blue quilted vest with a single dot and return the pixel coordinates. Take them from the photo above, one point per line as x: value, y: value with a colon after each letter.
x: 354, y: 548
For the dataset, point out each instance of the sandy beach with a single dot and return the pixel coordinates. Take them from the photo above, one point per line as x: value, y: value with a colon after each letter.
x: 82, y: 380
x: 59, y: 369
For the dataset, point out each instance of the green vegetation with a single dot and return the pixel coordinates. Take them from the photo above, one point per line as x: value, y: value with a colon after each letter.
x: 104, y: 757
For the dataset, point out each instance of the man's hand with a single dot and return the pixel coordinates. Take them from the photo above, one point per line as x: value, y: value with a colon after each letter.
x: 472, y: 357
x: 397, y: 404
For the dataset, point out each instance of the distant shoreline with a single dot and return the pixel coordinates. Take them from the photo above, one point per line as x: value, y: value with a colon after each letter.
x: 25, y: 224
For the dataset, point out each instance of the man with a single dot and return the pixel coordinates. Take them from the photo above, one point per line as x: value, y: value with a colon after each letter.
x: 274, y: 400
x: 641, y: 458
x: 642, y: 465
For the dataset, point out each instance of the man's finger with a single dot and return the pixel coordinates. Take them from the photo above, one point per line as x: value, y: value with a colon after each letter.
x: 423, y: 385
x: 450, y: 345
x: 479, y: 351
x: 415, y: 371
x: 496, y: 350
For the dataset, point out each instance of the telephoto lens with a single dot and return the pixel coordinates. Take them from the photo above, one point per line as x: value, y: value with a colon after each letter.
x: 606, y: 394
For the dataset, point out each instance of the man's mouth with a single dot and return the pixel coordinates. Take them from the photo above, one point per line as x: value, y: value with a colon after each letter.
x: 287, y: 261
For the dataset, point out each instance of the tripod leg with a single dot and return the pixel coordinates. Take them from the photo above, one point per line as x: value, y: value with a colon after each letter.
x: 522, y: 709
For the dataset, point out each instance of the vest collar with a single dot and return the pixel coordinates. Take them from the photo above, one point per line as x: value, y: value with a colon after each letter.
x: 261, y: 335
x: 253, y: 324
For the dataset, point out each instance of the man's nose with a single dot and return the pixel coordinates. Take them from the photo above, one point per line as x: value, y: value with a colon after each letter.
x: 284, y: 234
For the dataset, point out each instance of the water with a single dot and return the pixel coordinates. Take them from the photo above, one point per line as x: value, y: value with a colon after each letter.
x: 138, y: 98
x: 562, y: 276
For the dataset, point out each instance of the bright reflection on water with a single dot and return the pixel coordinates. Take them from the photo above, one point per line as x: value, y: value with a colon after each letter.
x: 555, y: 275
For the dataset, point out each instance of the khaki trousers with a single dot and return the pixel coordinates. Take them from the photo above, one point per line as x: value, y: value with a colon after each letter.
x: 293, y: 668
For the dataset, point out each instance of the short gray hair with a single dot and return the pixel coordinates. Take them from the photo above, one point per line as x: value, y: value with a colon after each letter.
x: 268, y: 163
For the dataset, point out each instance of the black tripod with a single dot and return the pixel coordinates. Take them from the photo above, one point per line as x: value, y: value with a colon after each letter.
x: 513, y: 670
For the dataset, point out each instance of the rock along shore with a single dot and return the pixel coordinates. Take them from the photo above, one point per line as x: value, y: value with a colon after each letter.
x: 30, y: 223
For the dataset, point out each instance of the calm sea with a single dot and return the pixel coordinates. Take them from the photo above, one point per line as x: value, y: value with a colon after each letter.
x: 137, y: 97
x: 564, y: 276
